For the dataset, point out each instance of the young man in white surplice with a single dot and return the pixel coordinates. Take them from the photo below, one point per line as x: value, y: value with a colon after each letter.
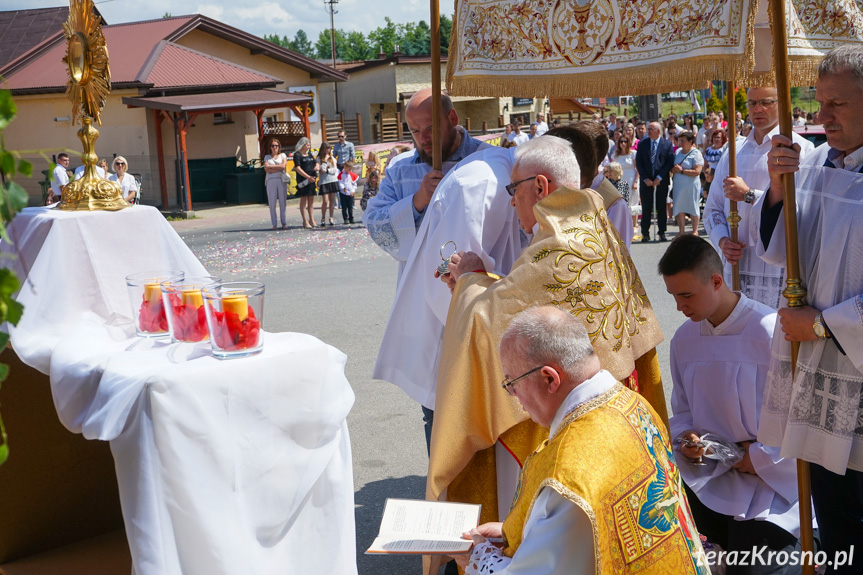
x: 719, y: 364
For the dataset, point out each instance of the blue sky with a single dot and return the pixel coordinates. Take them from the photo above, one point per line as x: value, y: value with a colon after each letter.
x: 261, y: 17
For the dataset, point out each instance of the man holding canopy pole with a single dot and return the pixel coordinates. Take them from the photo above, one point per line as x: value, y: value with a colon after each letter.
x: 818, y: 418
x: 758, y: 280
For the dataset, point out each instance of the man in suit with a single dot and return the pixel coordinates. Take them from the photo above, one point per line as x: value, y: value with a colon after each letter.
x: 654, y: 160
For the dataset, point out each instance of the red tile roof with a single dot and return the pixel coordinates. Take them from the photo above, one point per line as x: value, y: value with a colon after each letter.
x: 137, y: 49
x: 178, y: 66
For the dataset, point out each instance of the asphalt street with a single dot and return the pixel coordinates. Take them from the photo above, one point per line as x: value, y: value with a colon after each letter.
x: 335, y: 284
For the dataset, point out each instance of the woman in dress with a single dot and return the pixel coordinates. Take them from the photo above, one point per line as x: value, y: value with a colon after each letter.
x: 328, y: 181
x: 614, y: 172
x: 625, y: 156
x: 688, y: 164
x: 275, y: 182
x: 306, y: 169
x: 126, y: 181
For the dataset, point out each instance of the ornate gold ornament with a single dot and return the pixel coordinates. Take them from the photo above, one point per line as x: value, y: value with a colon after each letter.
x: 88, y: 87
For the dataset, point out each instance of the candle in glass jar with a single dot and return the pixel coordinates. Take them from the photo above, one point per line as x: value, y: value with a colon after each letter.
x: 238, y: 304
x: 152, y: 292
x: 193, y: 298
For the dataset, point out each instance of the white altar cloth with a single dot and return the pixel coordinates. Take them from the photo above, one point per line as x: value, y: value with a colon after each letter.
x: 77, y: 262
x: 224, y: 466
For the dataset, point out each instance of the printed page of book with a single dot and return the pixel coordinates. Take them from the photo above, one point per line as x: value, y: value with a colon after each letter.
x: 425, y: 527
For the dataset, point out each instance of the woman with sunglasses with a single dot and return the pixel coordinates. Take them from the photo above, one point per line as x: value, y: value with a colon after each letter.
x: 275, y: 181
x: 624, y: 155
x: 127, y: 181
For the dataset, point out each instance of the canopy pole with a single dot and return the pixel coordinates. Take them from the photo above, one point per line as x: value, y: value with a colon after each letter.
x: 795, y: 293
x: 437, y: 160
x: 733, y: 216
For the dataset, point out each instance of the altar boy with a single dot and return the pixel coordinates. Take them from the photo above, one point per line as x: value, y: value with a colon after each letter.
x: 719, y: 363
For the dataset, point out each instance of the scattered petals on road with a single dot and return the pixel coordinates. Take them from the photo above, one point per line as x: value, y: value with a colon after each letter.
x: 256, y: 254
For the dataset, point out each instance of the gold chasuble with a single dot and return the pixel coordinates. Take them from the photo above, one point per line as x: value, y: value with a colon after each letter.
x: 612, y: 457
x: 576, y: 261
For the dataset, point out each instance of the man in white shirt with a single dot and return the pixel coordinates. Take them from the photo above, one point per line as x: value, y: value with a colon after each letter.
x: 60, y: 177
x: 79, y: 172
x: 518, y: 137
x: 567, y: 518
x: 758, y: 280
x: 541, y: 125
x: 819, y: 418
x: 719, y: 363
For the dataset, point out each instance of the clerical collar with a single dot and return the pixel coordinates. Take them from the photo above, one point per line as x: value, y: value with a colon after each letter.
x: 583, y: 392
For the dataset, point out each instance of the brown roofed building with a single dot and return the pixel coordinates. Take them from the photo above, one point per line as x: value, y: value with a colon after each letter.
x: 188, y: 79
x: 20, y: 30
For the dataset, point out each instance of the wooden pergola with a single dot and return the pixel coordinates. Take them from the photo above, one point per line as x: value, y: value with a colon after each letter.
x: 182, y: 110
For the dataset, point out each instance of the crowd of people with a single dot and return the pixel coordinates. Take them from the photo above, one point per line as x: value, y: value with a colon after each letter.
x: 62, y: 175
x: 575, y: 462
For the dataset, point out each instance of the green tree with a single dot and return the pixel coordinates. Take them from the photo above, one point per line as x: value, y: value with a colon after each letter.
x: 278, y: 41
x: 356, y: 48
x: 323, y: 48
x: 13, y: 198
x: 445, y: 33
x: 740, y: 101
x: 384, y: 38
x: 302, y: 44
x: 416, y: 39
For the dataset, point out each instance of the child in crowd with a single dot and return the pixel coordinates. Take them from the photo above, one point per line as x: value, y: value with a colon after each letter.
x: 370, y: 189
x: 347, y: 189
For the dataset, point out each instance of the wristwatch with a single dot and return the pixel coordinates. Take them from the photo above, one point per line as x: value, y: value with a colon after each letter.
x: 749, y: 197
x: 819, y: 329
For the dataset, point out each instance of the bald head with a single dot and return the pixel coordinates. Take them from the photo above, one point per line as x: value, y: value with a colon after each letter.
x: 419, y: 115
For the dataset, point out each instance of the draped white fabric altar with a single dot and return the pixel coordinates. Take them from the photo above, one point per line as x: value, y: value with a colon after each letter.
x: 224, y: 467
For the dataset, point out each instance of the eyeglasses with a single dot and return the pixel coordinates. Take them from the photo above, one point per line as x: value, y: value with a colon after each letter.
x: 507, y: 384
x: 511, y: 188
x: 275, y: 146
x: 763, y: 102
x: 119, y: 164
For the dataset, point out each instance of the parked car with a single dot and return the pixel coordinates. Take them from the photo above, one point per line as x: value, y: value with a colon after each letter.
x: 813, y: 133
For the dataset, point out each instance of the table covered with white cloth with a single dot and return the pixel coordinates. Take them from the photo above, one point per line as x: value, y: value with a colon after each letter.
x: 224, y: 466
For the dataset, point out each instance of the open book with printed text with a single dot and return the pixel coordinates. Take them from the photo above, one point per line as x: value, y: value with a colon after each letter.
x: 425, y: 527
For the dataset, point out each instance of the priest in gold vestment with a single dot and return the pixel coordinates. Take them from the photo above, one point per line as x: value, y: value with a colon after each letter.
x: 576, y: 261
x: 602, y: 495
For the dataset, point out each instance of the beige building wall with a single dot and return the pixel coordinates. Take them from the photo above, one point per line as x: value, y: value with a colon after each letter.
x: 226, y: 50
x: 362, y: 93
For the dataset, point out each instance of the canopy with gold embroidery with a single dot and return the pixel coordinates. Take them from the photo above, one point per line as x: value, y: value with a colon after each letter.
x: 593, y: 48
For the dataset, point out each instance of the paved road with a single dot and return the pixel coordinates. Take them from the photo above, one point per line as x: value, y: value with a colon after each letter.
x: 335, y: 284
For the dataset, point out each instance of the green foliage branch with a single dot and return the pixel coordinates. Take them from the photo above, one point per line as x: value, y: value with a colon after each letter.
x: 13, y: 198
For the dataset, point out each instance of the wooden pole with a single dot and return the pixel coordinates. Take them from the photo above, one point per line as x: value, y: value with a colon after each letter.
x: 437, y: 160
x: 794, y: 293
x: 733, y: 216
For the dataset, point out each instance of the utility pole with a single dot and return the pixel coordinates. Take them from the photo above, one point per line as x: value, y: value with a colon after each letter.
x: 333, y: 11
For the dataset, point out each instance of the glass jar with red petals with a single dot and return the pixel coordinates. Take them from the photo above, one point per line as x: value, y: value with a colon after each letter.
x: 145, y: 294
x: 235, y: 316
x: 184, y: 307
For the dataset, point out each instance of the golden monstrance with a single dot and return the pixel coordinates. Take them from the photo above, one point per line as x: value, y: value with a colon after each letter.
x: 88, y: 87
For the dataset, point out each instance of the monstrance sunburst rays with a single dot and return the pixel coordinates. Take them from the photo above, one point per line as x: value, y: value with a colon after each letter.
x: 88, y: 87
x: 86, y: 61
